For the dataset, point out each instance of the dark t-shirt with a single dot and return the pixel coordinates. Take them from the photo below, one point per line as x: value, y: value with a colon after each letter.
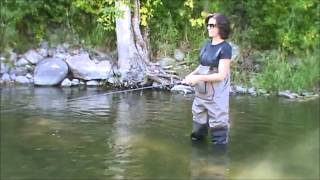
x: 211, y: 54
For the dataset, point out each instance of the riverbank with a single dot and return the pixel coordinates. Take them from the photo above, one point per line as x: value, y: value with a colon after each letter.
x: 71, y: 66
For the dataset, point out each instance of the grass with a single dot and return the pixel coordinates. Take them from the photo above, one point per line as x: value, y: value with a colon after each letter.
x: 280, y: 72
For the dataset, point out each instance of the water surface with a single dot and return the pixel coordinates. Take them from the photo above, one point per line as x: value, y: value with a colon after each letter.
x: 145, y: 135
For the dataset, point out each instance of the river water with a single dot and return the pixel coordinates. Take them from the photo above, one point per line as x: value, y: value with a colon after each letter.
x: 145, y: 135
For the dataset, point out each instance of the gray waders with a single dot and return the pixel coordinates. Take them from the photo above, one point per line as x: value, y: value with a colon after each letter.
x: 210, y: 108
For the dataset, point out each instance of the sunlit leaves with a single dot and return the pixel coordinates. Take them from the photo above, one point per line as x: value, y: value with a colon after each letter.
x: 147, y: 10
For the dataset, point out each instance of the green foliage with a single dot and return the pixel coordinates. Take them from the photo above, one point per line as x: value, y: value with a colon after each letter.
x: 147, y: 10
x: 165, y: 39
x: 292, y: 26
x: 286, y: 30
x: 281, y: 73
x: 25, y: 23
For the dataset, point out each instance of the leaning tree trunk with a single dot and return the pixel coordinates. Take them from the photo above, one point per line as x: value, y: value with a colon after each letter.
x: 133, y: 53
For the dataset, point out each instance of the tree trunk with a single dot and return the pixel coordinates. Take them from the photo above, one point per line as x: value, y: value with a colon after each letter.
x: 133, y: 53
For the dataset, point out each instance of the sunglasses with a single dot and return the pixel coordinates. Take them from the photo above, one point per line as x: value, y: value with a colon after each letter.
x: 211, y: 25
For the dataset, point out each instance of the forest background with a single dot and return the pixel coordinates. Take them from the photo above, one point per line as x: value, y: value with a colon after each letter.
x: 278, y: 39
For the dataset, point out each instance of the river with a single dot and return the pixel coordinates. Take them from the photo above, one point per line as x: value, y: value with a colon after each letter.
x: 145, y: 135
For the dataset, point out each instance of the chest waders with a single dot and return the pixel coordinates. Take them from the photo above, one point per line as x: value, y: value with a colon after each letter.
x: 210, y: 108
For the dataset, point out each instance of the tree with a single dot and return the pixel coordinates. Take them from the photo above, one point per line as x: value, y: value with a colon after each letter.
x: 133, y: 54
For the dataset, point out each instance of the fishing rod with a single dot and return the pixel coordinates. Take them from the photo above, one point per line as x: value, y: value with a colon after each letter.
x: 123, y: 91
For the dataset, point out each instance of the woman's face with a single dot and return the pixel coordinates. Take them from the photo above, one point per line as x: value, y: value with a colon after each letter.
x: 212, y: 28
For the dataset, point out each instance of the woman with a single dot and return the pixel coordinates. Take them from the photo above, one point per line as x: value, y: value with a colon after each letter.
x: 212, y: 83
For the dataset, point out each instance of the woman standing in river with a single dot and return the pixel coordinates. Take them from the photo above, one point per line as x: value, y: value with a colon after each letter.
x: 212, y: 83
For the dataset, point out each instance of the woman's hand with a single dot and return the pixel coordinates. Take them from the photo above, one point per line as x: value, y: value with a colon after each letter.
x: 191, y: 80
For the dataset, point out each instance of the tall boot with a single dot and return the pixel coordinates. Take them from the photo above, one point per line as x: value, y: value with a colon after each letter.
x: 199, y: 131
x: 219, y: 135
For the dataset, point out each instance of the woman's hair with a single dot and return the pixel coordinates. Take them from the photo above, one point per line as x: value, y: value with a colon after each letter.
x: 222, y: 23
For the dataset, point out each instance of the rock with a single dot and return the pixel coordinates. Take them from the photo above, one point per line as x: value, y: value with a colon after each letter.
x: 66, y: 83
x: 182, y: 89
x: 92, y: 83
x: 30, y: 68
x: 166, y: 61
x: 179, y: 55
x: 22, y: 62
x: 287, y: 94
x: 307, y: 94
x: 155, y: 84
x: 22, y: 80
x: 83, y: 67
x: 50, y: 71
x: 6, y: 77
x: 75, y: 82
x: 13, y: 57
x: 29, y: 76
x: 20, y: 71
x: 232, y: 91
x: 33, y: 56
x: 262, y: 91
x: 66, y: 45
x: 61, y: 55
x: 235, y: 51
x: 43, y: 52
x: 44, y: 44
x: 4, y: 68
x: 252, y: 91
x: 96, y: 61
x: 113, y: 80
x: 241, y: 90
x: 51, y: 52
x: 61, y: 48
x: 13, y: 77
x: 100, y: 56
x: 31, y: 80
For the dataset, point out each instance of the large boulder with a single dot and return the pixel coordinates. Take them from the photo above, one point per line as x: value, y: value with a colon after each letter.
x: 50, y: 71
x: 82, y: 67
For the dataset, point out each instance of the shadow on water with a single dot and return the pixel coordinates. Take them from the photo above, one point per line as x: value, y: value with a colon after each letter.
x: 145, y: 135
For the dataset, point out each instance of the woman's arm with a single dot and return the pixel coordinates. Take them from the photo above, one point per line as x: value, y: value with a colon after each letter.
x: 194, y: 71
x: 223, y: 71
